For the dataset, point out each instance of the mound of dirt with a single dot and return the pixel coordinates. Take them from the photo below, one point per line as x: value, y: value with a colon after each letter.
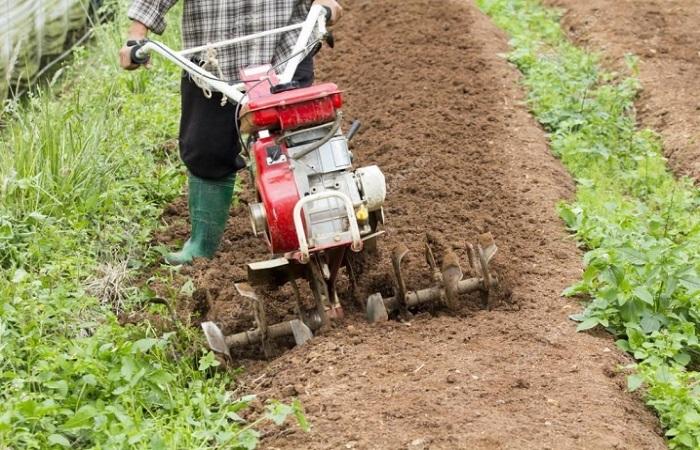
x: 664, y: 34
x: 445, y: 122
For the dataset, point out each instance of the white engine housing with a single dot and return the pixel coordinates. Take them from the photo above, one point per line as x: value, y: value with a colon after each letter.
x: 329, y: 168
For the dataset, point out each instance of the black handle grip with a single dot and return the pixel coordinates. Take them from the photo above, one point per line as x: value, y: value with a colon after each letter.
x: 330, y: 40
x: 329, y: 13
x: 135, y: 58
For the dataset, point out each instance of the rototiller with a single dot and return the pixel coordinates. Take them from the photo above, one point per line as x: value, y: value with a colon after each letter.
x: 313, y: 208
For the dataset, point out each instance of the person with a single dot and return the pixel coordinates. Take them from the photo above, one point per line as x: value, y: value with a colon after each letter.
x: 208, y: 141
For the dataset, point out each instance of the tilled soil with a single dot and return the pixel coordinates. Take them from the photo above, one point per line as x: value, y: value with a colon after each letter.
x: 664, y: 34
x: 444, y: 120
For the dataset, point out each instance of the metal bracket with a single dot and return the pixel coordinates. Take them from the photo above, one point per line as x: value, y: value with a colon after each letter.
x: 354, y: 229
x: 397, y: 256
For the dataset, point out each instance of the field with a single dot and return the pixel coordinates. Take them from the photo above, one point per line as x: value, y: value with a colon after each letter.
x: 485, y: 117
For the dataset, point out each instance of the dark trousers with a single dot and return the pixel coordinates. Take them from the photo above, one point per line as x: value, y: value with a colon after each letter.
x: 209, y: 143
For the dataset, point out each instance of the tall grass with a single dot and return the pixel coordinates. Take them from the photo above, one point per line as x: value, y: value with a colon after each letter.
x: 84, y: 177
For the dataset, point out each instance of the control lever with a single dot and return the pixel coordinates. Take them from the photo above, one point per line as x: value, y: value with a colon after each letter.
x: 354, y: 128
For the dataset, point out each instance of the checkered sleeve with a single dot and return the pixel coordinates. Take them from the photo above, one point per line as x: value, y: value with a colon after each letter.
x: 150, y: 13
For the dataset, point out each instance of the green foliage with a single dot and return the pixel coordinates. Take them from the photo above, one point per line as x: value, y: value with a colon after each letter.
x: 83, y: 179
x: 641, y: 224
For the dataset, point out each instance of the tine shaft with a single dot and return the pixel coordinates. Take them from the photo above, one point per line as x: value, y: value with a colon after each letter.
x: 396, y: 257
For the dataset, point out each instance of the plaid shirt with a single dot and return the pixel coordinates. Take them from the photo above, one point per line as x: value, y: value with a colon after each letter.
x: 208, y: 21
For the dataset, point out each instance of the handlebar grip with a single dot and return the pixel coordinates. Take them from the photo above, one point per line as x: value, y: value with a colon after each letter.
x: 329, y: 13
x: 135, y: 57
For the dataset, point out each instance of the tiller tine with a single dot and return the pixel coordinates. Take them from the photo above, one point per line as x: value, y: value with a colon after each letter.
x: 485, y: 251
x: 246, y: 290
x: 449, y: 281
x: 300, y: 329
x: 221, y: 344
x: 451, y: 276
x: 376, y: 310
x: 215, y: 338
x: 396, y: 257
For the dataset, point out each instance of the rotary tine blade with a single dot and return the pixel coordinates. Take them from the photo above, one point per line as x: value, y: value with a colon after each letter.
x: 215, y: 338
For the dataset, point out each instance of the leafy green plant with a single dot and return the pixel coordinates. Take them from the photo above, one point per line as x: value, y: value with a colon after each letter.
x: 640, y: 224
x: 83, y: 180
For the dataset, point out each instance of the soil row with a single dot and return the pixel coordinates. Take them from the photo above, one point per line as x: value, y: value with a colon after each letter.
x: 664, y: 34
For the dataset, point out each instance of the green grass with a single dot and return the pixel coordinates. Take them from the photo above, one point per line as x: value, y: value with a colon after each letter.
x: 640, y: 224
x: 84, y: 176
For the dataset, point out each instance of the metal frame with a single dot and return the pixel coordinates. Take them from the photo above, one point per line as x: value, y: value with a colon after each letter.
x: 354, y: 229
x: 317, y: 15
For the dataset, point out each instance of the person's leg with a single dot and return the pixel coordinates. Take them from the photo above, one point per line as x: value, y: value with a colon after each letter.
x: 209, y: 148
x: 209, y: 145
x: 209, y: 203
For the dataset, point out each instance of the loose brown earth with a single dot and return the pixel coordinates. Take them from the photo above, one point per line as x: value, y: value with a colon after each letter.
x: 444, y: 120
x: 664, y: 34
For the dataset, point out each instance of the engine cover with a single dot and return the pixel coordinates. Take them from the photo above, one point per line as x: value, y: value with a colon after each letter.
x: 278, y: 194
x: 284, y: 180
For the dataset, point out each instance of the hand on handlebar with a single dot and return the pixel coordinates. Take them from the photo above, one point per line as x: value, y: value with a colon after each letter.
x: 129, y: 60
x: 334, y: 7
x: 125, y: 59
x: 137, y: 32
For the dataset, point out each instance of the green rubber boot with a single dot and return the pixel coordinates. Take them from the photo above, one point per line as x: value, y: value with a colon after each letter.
x: 209, y: 203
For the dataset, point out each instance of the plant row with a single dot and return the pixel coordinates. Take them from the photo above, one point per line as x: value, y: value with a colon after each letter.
x: 640, y: 224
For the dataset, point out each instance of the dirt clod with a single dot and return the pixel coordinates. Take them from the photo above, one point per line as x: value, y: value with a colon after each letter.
x: 522, y: 384
x: 289, y: 391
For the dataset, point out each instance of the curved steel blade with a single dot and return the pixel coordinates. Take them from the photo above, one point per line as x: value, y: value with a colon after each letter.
x: 376, y: 311
x: 451, y: 276
x: 215, y: 338
x: 488, y: 246
x: 397, y: 255
x: 301, y: 332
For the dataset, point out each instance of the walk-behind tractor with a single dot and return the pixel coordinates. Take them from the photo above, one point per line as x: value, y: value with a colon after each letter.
x: 313, y: 208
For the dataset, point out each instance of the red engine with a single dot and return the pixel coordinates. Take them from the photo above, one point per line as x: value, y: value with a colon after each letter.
x: 285, y: 111
x: 299, y: 153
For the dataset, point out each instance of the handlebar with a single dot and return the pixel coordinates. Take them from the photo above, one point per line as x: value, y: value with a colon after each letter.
x: 140, y: 52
